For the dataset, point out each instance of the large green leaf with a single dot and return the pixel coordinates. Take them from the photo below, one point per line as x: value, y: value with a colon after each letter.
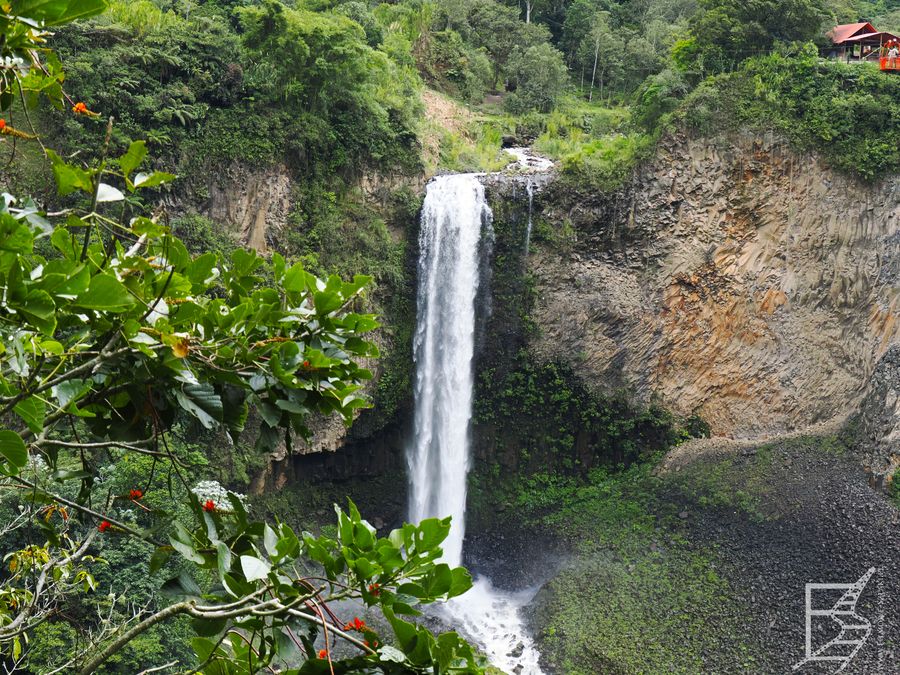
x: 202, y: 402
x: 68, y: 177
x: 12, y: 447
x: 160, y: 557
x: 132, y: 159
x: 108, y: 193
x: 56, y: 12
x: 145, y: 180
x: 15, y: 235
x: 70, y: 390
x: 105, y: 293
x: 254, y: 568
x: 32, y: 410
x: 40, y: 310
x: 295, y: 279
x: 187, y: 550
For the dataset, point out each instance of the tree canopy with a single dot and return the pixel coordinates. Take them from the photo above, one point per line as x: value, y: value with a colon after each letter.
x: 111, y: 333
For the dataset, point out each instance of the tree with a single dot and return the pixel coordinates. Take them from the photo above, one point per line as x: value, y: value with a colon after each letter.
x: 529, y: 7
x: 728, y: 31
x: 577, y: 25
x: 321, y: 56
x: 498, y: 30
x: 111, y: 333
x: 604, y: 48
x: 540, y: 75
x: 658, y: 95
x: 361, y: 14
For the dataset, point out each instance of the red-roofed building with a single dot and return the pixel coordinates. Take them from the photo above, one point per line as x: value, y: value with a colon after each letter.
x: 863, y: 42
x: 840, y: 34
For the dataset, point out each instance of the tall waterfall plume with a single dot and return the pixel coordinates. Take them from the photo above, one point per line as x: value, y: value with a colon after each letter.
x: 454, y: 216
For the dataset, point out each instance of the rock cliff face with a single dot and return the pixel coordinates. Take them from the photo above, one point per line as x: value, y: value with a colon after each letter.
x: 253, y: 203
x: 877, y: 426
x: 732, y: 278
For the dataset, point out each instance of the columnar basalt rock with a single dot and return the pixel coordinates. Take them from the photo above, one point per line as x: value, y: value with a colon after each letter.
x: 877, y: 426
x: 733, y: 278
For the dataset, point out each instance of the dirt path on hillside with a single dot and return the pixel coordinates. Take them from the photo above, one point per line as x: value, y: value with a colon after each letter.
x: 695, y: 448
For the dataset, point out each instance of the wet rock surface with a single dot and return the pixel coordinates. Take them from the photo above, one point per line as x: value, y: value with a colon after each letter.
x: 877, y: 425
x: 253, y: 203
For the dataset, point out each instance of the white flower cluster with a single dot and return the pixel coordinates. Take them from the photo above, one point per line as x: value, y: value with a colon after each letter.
x: 14, y: 63
x: 37, y: 464
x: 212, y: 490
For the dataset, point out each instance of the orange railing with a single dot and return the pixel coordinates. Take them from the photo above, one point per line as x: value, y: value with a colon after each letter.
x: 890, y: 64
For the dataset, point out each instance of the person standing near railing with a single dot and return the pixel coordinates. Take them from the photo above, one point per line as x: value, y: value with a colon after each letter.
x: 893, y: 54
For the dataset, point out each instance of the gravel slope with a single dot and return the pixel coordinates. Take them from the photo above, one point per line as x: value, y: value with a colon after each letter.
x: 716, y: 583
x: 809, y: 516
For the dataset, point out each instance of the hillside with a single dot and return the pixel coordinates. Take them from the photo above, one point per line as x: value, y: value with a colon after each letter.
x: 600, y: 294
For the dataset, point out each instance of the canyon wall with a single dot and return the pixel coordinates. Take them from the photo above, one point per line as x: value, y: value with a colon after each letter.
x: 732, y: 278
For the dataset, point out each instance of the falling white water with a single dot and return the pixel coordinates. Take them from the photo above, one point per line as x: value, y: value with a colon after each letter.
x: 493, y: 618
x: 455, y: 215
x: 529, y: 189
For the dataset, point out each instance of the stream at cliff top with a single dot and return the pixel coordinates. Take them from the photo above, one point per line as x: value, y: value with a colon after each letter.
x: 455, y: 224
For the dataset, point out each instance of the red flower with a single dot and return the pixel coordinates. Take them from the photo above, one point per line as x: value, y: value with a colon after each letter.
x: 356, y: 624
x: 209, y: 506
x: 135, y: 494
x: 80, y: 109
x: 104, y: 526
x: 2, y: 124
x: 375, y: 589
x: 323, y: 653
x: 366, y: 643
x: 306, y: 364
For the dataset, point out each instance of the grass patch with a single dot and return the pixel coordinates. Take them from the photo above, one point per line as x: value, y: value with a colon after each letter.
x: 597, y: 147
x: 894, y: 489
x: 476, y: 149
x: 638, y: 596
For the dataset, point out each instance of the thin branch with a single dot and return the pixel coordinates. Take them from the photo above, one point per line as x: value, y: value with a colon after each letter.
x: 128, y: 636
x: 134, y: 445
x: 158, y: 668
x: 16, y: 626
x: 90, y: 512
x: 334, y: 629
x: 105, y: 353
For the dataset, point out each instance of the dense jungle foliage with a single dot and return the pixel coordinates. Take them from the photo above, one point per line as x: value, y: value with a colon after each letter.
x: 330, y: 94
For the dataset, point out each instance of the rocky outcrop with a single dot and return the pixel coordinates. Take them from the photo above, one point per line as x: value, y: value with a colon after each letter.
x: 328, y: 434
x: 877, y: 426
x: 253, y: 203
x: 732, y: 278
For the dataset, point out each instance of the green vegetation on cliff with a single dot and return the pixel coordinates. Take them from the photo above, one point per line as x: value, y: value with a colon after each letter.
x: 637, y: 595
x: 845, y: 112
x: 642, y: 566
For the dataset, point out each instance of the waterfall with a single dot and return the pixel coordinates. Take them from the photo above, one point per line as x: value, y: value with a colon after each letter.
x: 453, y: 216
x: 455, y: 219
x: 529, y: 189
